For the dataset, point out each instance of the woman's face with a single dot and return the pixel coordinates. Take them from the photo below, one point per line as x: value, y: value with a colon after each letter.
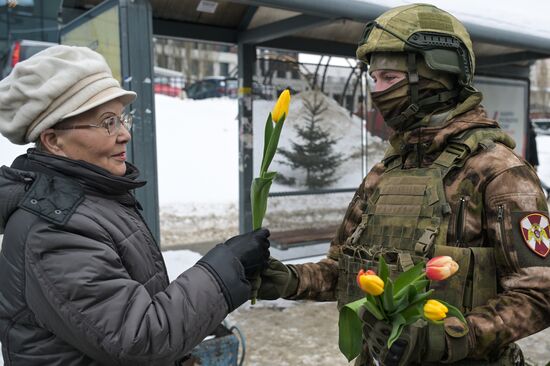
x: 94, y: 144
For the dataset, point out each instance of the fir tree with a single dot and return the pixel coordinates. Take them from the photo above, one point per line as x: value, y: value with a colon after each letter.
x: 315, y: 154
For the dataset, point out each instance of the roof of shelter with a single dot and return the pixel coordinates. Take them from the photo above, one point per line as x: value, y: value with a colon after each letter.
x: 333, y: 27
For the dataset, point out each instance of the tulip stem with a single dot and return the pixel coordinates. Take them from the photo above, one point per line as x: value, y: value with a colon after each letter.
x: 380, y: 306
x: 420, y: 277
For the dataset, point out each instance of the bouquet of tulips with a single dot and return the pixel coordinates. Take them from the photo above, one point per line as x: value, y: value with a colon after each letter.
x: 400, y: 303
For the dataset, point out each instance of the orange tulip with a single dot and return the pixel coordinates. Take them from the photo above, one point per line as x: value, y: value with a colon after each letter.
x: 370, y: 283
x: 281, y: 107
x: 441, y: 268
x: 363, y: 272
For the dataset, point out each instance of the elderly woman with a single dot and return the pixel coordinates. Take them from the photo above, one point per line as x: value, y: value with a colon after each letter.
x: 82, y: 281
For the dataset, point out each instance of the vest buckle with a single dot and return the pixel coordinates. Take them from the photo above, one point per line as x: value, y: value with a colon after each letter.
x: 425, y: 242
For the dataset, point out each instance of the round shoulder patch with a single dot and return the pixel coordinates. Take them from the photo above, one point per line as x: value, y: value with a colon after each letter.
x: 536, y: 233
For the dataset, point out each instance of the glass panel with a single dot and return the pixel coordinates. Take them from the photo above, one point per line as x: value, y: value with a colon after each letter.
x: 100, y: 33
x: 324, y: 149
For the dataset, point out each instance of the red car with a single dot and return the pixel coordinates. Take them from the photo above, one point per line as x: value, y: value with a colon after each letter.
x: 167, y: 89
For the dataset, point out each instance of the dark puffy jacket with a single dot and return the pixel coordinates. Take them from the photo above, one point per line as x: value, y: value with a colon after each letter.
x: 82, y: 281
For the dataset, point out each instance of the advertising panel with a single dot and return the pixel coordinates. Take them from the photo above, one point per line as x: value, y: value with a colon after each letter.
x: 100, y: 32
x: 505, y: 100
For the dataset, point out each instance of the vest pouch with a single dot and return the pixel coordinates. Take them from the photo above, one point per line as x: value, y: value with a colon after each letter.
x: 484, y: 279
x: 349, y: 265
x: 347, y: 288
x: 453, y: 289
x: 474, y: 283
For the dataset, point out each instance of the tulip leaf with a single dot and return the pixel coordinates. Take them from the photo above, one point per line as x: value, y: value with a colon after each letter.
x: 387, y: 297
x: 370, y: 299
x: 453, y: 311
x: 412, y: 292
x: 272, y: 145
x: 374, y: 310
x: 383, y: 270
x: 375, y: 307
x: 413, y: 311
x: 268, y: 131
x: 398, y: 322
x: 402, y: 302
x: 269, y: 175
x: 408, y: 277
x: 259, y: 192
x: 350, y: 328
x: 421, y: 285
x: 421, y: 297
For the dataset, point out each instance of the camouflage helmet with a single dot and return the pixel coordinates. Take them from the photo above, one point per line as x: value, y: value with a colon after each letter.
x: 438, y: 36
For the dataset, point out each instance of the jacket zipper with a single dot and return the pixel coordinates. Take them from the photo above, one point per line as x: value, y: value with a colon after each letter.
x: 459, y: 232
x: 144, y: 223
x: 500, y: 220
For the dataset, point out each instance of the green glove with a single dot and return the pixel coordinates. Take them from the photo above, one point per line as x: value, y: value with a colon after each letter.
x: 255, y: 282
x: 448, y: 343
x: 403, y: 351
x: 277, y: 280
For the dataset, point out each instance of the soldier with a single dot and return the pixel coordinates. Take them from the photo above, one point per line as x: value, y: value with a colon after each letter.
x: 449, y: 184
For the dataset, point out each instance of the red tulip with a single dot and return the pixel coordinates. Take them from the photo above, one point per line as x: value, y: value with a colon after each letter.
x: 440, y: 268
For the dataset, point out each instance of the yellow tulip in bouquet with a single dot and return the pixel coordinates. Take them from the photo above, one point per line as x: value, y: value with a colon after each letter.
x: 400, y: 303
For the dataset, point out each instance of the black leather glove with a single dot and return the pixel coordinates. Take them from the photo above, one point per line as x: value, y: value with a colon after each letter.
x: 277, y: 280
x: 249, y: 251
x: 402, y: 352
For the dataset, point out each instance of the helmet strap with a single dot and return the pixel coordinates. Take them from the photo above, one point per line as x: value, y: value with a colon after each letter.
x: 418, y: 110
x: 413, y: 107
x: 413, y: 77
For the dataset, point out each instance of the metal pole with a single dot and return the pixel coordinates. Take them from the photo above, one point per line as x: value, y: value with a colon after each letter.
x: 246, y: 58
x: 136, y: 34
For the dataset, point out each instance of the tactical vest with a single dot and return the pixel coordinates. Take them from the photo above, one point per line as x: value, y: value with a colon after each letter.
x: 406, y: 221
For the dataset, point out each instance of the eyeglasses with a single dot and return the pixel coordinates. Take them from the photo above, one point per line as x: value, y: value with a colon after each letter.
x: 111, y: 124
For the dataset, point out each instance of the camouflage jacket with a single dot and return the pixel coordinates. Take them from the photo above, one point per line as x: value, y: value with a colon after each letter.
x: 493, y: 182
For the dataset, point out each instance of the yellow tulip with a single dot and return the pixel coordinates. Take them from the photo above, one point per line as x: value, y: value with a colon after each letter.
x: 435, y: 311
x: 370, y: 283
x: 281, y: 107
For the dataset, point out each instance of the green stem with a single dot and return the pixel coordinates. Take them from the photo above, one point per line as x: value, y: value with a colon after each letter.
x: 380, y: 306
x: 420, y: 277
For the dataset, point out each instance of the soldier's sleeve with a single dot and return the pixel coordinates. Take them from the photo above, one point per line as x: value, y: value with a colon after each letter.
x: 517, y: 224
x: 317, y: 281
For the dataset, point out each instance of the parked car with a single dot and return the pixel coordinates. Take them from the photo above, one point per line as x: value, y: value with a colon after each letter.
x: 219, y: 86
x: 21, y: 50
x: 213, y: 87
x: 168, y: 82
x: 541, y: 126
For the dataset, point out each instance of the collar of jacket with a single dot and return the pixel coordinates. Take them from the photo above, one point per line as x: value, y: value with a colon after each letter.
x: 93, y: 179
x: 430, y: 141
